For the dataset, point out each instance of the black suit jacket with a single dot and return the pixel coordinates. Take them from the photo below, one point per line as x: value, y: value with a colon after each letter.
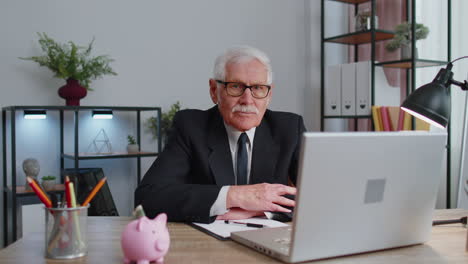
x: 184, y: 181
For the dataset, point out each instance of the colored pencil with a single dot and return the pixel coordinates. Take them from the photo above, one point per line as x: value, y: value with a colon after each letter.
x: 72, y: 194
x: 68, y: 192
x: 75, y: 213
x: 94, y: 191
x: 42, y: 196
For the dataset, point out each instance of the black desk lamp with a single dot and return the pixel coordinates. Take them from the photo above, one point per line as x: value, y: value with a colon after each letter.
x: 431, y: 102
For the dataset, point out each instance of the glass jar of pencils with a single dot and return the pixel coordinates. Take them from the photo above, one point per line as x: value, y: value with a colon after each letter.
x: 65, y: 232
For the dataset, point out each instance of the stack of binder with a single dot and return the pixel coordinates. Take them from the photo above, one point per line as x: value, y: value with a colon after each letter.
x: 348, y: 89
x: 392, y: 118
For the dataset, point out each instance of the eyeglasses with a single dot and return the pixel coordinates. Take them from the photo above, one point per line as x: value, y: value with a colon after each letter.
x: 237, y: 89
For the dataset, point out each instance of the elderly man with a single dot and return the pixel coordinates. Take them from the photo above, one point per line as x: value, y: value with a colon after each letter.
x: 233, y: 161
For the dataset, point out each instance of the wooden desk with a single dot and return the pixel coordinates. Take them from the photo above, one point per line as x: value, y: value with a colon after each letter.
x: 447, y: 245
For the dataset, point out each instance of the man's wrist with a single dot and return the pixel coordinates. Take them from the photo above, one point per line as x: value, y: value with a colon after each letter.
x: 231, y: 200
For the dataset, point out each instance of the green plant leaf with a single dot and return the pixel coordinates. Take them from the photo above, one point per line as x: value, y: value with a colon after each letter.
x: 131, y: 140
x: 403, y: 35
x: 72, y: 61
x: 166, y: 121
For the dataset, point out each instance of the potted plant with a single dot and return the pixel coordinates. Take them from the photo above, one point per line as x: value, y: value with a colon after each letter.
x: 166, y: 122
x: 48, y: 182
x: 403, y: 37
x: 132, y: 146
x: 74, y: 64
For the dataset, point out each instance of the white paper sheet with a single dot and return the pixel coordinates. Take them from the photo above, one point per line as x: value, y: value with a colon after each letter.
x: 220, y: 228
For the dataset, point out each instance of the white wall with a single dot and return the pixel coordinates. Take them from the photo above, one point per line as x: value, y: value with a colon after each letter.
x: 459, y: 115
x: 435, y: 47
x: 163, y: 52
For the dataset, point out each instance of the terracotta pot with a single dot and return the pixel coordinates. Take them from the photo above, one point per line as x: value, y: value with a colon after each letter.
x: 72, y: 92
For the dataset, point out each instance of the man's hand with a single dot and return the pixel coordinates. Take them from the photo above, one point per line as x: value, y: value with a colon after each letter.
x: 260, y: 197
x: 238, y: 213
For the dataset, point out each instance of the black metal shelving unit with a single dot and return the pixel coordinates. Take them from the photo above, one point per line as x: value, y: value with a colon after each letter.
x: 371, y: 37
x: 354, y: 39
x: 13, y: 193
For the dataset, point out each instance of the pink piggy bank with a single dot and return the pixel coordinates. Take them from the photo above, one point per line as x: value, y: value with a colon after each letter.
x: 145, y: 240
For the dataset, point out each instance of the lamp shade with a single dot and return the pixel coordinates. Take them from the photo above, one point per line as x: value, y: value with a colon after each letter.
x: 430, y: 102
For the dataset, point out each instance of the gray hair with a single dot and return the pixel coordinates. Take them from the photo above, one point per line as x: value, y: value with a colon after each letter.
x: 240, y: 54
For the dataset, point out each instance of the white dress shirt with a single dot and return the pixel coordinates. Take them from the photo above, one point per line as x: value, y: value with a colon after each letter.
x: 219, y: 206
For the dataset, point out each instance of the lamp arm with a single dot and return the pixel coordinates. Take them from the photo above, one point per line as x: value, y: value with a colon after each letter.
x: 463, y: 85
x: 464, y: 57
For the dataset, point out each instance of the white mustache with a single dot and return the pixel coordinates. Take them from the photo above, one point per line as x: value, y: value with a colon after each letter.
x: 245, y: 109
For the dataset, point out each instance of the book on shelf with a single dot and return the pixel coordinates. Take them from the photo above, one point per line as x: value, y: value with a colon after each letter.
x: 394, y: 114
x: 421, y: 125
x: 387, y: 125
x: 407, y: 121
x: 392, y: 118
x: 376, y: 118
x: 401, y: 119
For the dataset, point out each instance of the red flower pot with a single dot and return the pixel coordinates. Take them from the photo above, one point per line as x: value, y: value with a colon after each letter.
x: 72, y: 92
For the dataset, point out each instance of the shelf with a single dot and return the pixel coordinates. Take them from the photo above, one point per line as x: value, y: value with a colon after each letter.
x: 361, y: 37
x: 21, y: 190
x: 80, y: 108
x: 113, y: 155
x: 352, y: 1
x: 347, y: 117
x: 408, y: 64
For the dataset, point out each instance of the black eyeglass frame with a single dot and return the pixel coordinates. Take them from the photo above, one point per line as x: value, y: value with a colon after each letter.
x: 245, y: 88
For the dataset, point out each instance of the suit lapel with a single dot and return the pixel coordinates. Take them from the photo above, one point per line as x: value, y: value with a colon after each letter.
x: 220, y: 160
x: 264, y: 155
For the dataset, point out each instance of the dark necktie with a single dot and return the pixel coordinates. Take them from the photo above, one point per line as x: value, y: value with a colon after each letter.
x: 242, y: 160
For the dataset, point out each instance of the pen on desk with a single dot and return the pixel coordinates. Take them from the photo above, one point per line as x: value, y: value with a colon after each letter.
x: 246, y: 224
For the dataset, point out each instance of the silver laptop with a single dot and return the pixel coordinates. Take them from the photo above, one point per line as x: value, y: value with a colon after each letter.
x: 358, y: 192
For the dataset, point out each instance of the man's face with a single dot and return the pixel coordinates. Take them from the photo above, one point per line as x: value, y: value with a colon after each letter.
x: 239, y: 112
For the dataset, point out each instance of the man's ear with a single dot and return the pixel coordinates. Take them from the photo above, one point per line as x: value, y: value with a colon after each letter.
x: 270, y: 94
x: 213, y: 92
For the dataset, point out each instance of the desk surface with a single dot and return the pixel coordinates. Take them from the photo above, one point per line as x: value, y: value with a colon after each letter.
x: 447, y: 245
